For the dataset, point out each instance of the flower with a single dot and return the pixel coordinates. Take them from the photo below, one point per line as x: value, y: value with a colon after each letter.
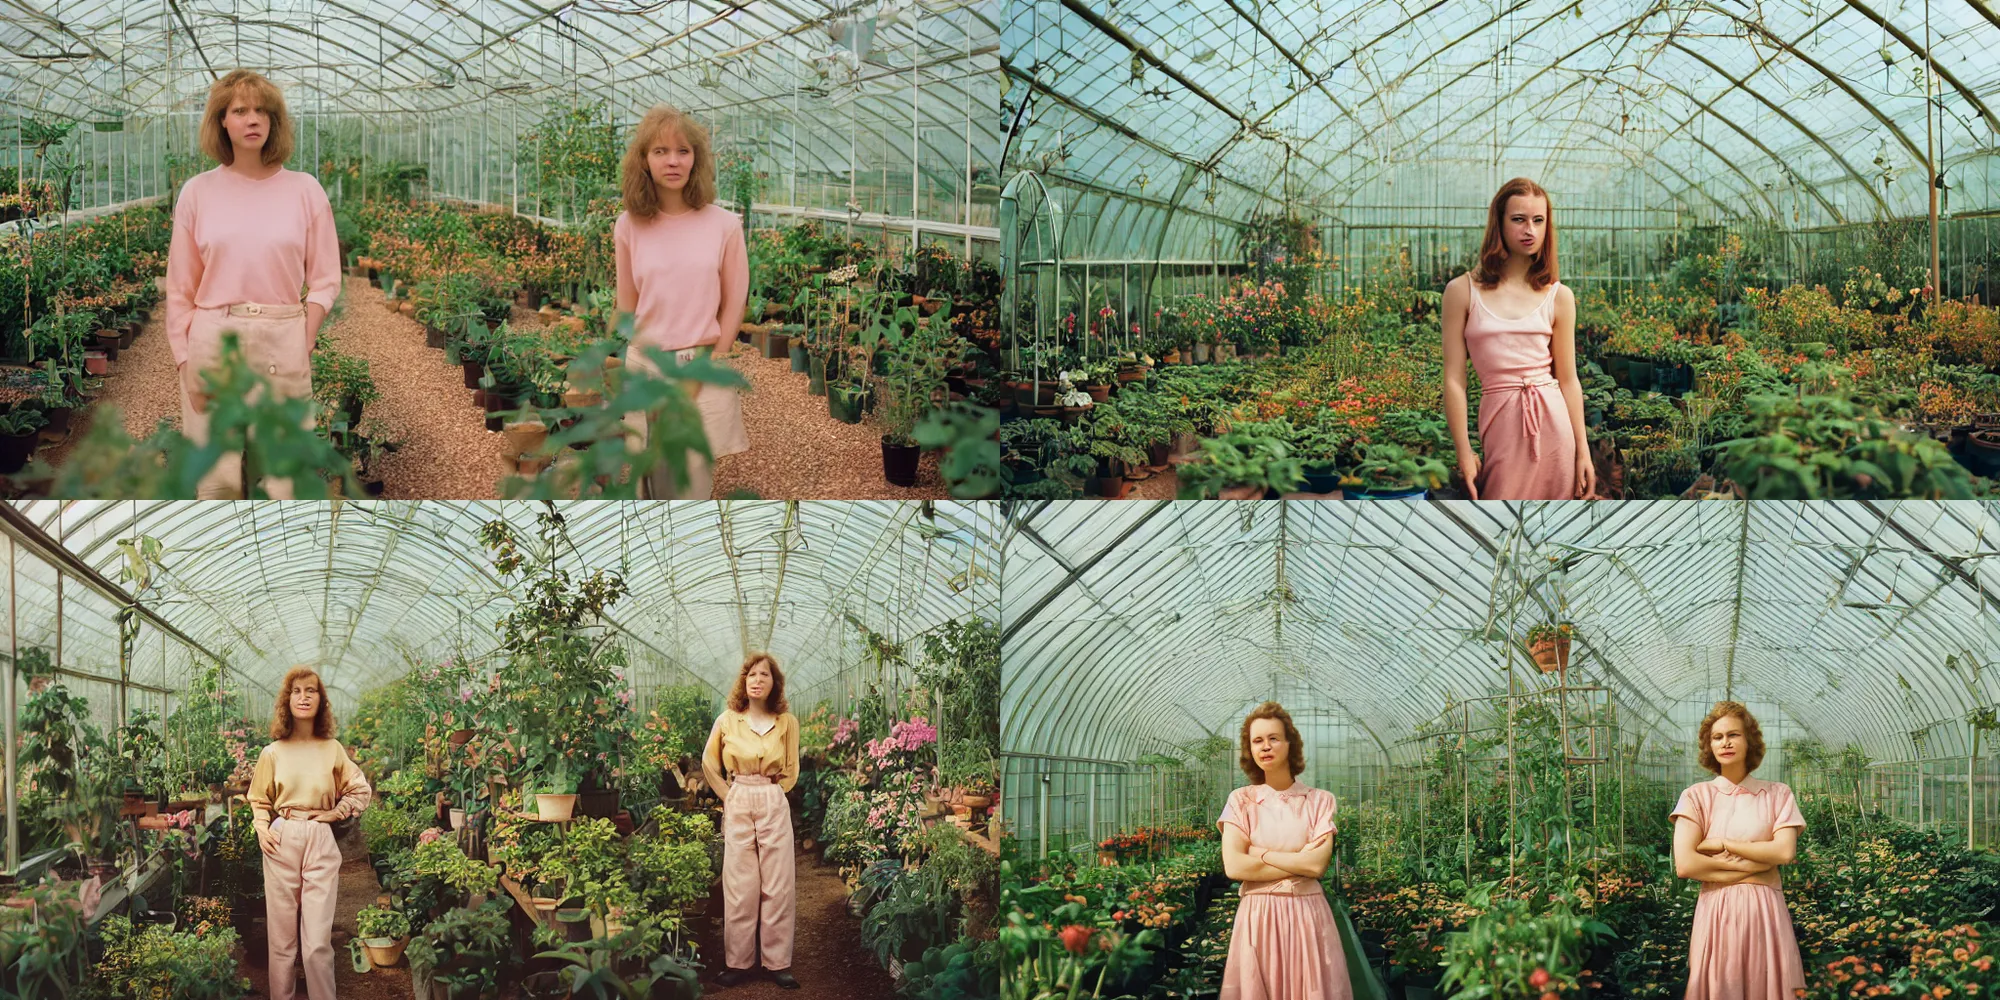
x: 1075, y: 938
x: 1539, y: 978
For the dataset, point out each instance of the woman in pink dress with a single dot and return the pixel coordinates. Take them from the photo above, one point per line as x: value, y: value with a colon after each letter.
x: 1732, y: 833
x: 1518, y: 323
x: 1277, y: 839
x: 684, y: 274
x: 247, y: 236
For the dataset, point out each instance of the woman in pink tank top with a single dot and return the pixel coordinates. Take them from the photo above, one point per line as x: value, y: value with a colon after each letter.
x: 1732, y: 833
x: 684, y: 275
x: 247, y: 236
x: 1518, y: 324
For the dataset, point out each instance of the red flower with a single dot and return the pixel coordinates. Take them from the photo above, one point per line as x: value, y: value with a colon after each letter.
x: 1539, y: 978
x: 1075, y: 937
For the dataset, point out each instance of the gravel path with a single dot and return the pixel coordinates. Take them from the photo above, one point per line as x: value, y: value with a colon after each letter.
x: 141, y: 383
x: 799, y: 452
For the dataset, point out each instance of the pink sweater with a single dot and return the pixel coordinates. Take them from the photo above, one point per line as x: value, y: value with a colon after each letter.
x: 239, y: 240
x: 682, y: 272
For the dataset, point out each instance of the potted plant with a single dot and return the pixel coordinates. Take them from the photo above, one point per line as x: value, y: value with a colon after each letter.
x: 20, y: 430
x: 1548, y: 644
x: 1387, y: 471
x: 1320, y: 445
x: 913, y: 387
x: 555, y: 792
x: 385, y: 932
x: 1243, y: 464
x: 460, y: 953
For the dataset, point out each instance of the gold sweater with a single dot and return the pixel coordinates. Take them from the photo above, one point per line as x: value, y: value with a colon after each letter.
x: 736, y: 748
x: 315, y: 774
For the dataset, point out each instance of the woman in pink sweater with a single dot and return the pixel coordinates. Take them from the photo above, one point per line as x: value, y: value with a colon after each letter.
x: 248, y: 235
x: 685, y: 275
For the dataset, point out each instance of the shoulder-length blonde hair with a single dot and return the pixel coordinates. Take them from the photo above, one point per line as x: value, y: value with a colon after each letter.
x: 266, y: 97
x: 642, y: 196
x: 739, y: 695
x: 1493, y: 250
x: 1295, y: 756
x: 281, y: 713
x: 1753, y: 735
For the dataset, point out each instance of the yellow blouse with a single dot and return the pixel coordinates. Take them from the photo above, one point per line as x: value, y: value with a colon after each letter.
x: 307, y: 775
x: 736, y: 747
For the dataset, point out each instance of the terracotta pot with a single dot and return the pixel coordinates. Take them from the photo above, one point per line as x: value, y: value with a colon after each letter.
x: 1241, y: 493
x: 407, y: 308
x: 555, y: 808
x: 525, y: 436
x: 978, y: 801
x: 384, y: 952
x: 579, y: 398
x: 1551, y: 654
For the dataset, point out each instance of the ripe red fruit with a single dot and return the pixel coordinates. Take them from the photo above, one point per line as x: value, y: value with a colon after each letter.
x: 1539, y: 978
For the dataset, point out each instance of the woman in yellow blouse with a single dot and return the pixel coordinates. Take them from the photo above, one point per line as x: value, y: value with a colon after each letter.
x: 304, y: 781
x: 756, y: 742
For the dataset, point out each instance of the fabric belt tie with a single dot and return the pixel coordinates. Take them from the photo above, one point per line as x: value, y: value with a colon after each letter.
x: 1531, y: 414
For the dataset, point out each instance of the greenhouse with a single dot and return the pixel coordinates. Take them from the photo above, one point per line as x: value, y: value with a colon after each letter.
x: 470, y: 156
x: 1506, y: 702
x: 1776, y: 222
x: 538, y: 698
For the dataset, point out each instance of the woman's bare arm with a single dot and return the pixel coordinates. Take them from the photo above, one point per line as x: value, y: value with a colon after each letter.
x: 1692, y: 864
x: 1238, y: 862
x: 1309, y: 863
x: 1781, y: 849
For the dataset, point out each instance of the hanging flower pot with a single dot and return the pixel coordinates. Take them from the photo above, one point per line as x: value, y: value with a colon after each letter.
x: 1549, y: 646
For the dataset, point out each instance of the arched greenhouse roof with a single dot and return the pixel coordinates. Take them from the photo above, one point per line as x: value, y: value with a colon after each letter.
x: 361, y: 589
x: 1165, y: 115
x: 1128, y: 628
x: 816, y: 88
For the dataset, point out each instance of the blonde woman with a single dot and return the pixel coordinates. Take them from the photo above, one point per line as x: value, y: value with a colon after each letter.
x: 248, y: 234
x: 1277, y: 839
x: 304, y: 781
x: 684, y: 275
x: 755, y: 743
x: 1732, y: 834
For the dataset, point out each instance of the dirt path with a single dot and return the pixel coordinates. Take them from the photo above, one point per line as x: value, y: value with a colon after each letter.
x: 827, y: 957
x: 357, y: 889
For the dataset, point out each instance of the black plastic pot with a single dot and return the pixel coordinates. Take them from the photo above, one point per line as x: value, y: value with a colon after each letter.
x: 435, y: 338
x: 495, y: 405
x: 15, y: 449
x: 799, y: 356
x: 1322, y: 478
x: 473, y: 371
x: 899, y: 462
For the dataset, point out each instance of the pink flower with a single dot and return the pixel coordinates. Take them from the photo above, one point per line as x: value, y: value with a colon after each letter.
x: 429, y: 835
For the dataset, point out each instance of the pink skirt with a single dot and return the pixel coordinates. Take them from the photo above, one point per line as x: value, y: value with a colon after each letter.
x: 1285, y: 948
x: 1742, y: 947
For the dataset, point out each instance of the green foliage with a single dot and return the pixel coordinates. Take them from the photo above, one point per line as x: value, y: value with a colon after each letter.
x: 155, y: 962
x: 907, y: 921
x: 576, y: 151
x: 381, y: 922
x: 670, y: 868
x: 43, y: 957
x: 594, y: 967
x: 590, y: 862
x: 465, y: 949
x: 1261, y: 458
x: 1828, y: 448
x: 965, y: 432
x: 1506, y: 948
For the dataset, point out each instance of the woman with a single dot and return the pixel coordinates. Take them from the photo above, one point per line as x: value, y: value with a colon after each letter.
x: 1731, y: 834
x: 1277, y: 839
x: 684, y: 273
x: 304, y: 781
x: 247, y: 236
x: 756, y: 742
x: 1519, y: 324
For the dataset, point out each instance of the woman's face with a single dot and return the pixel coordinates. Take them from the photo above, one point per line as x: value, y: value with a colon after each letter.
x: 305, y: 698
x: 1526, y: 224
x: 670, y: 161
x: 1728, y: 741
x: 757, y: 683
x: 247, y: 124
x: 1269, y: 746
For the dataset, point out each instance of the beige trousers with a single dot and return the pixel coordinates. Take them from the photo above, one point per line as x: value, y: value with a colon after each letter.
x: 277, y: 346
x: 760, y: 900
x: 721, y: 420
x: 300, y: 883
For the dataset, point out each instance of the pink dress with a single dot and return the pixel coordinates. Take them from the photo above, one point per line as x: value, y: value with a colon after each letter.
x: 1527, y: 446
x: 1742, y: 947
x: 1285, y: 945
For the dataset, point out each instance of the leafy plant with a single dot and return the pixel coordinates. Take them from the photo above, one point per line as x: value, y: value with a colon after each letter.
x: 381, y: 922
x: 1242, y: 458
x: 158, y: 963
x: 964, y: 431
x: 1510, y: 951
x: 1827, y: 447
x: 464, y: 950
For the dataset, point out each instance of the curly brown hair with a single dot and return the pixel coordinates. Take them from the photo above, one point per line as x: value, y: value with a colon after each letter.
x: 1752, y: 733
x: 1542, y: 270
x: 263, y: 94
x: 641, y: 194
x: 1295, y: 758
x: 739, y: 695
x: 281, y: 713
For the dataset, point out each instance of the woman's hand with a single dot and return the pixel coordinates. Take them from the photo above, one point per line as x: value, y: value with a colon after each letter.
x: 1468, y: 465
x: 1586, y: 476
x: 267, y: 840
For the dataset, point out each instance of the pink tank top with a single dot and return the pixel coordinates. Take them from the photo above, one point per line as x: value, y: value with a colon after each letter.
x: 1513, y: 355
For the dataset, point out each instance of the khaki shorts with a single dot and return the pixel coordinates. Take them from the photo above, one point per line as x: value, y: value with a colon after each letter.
x: 276, y: 345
